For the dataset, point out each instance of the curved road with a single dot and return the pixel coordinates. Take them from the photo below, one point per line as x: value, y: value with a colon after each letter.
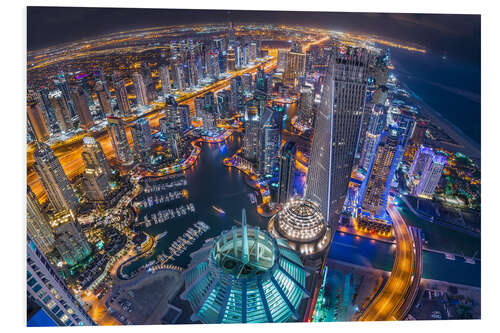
x: 398, y: 288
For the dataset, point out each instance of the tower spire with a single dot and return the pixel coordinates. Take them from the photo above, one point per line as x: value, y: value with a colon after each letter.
x: 244, y: 254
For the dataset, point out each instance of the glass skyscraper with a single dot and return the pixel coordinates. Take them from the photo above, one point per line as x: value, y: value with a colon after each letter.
x: 116, y: 130
x: 337, y: 129
x: 54, y: 180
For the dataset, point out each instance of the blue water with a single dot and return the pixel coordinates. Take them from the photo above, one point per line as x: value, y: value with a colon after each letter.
x: 450, y: 86
x: 380, y: 255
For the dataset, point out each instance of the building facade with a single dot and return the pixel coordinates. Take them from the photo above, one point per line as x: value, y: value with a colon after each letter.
x: 38, y: 224
x: 336, y: 130
x: 54, y: 180
x: 48, y: 289
x: 116, y: 130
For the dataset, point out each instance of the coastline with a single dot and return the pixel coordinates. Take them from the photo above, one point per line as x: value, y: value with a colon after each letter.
x: 469, y: 147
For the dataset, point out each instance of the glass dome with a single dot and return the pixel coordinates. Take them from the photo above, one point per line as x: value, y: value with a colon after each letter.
x: 245, y: 276
x: 301, y: 223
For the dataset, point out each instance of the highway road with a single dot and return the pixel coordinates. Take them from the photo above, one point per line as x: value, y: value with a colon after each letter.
x: 388, y: 303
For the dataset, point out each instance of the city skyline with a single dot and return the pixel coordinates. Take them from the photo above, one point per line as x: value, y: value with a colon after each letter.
x: 253, y: 172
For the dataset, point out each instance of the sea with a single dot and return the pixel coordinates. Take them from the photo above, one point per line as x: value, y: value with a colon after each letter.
x: 449, y: 85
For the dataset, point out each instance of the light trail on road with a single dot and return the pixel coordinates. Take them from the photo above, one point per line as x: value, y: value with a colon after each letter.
x: 387, y: 303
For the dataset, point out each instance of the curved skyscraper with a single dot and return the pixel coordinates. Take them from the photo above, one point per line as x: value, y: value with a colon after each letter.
x: 337, y: 129
x: 245, y: 276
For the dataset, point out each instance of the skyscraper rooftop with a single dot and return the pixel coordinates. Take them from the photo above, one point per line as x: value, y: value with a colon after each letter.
x: 301, y: 223
x: 245, y: 275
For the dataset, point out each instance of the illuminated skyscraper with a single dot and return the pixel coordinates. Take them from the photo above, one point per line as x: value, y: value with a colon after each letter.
x: 61, y: 110
x: 295, y: 67
x: 245, y: 276
x: 252, y: 52
x: 431, y: 176
x: 37, y: 119
x: 336, y: 130
x: 376, y: 124
x: 116, y: 130
x: 143, y: 141
x: 377, y: 183
x: 54, y: 180
x: 38, y: 225
x: 121, y: 93
x: 251, y: 136
x: 82, y: 108
x: 230, y: 36
x: 97, y: 170
x: 103, y: 99
x: 165, y: 79
x: 147, y: 77
x: 282, y: 56
x: 140, y: 89
x: 287, y: 171
x: 246, y: 82
x: 421, y: 162
x: 48, y: 289
x: 306, y: 111
x: 185, y: 117
x: 70, y: 241
x: 178, y: 77
x: 269, y: 141
x: 231, y: 65
x: 62, y: 85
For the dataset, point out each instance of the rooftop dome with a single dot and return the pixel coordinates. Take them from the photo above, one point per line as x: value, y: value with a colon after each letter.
x: 245, y: 276
x: 301, y: 223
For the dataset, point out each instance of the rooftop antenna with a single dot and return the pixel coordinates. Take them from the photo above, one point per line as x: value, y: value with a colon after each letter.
x: 244, y: 253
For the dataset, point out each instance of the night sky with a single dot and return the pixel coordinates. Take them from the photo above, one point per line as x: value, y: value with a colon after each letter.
x: 455, y: 35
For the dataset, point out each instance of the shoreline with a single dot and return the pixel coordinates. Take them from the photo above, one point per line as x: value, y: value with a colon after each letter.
x: 469, y: 147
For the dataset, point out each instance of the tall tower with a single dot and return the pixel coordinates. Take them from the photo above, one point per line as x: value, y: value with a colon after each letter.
x: 231, y: 38
x: 148, y: 81
x: 336, y: 130
x: 282, y: 55
x: 251, y: 136
x: 377, y: 183
x: 37, y: 119
x: 121, y: 93
x: 143, y: 141
x: 287, y: 171
x: 421, y: 162
x: 231, y: 64
x: 82, y: 108
x: 54, y: 180
x: 165, y: 79
x: 93, y: 155
x: 116, y: 130
x: 140, y: 89
x: 47, y: 288
x: 97, y: 170
x: 295, y: 67
x: 61, y: 110
x: 306, y: 103
x: 431, y: 176
x: 38, y: 224
x: 269, y: 141
x: 102, y: 97
x: 376, y: 124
